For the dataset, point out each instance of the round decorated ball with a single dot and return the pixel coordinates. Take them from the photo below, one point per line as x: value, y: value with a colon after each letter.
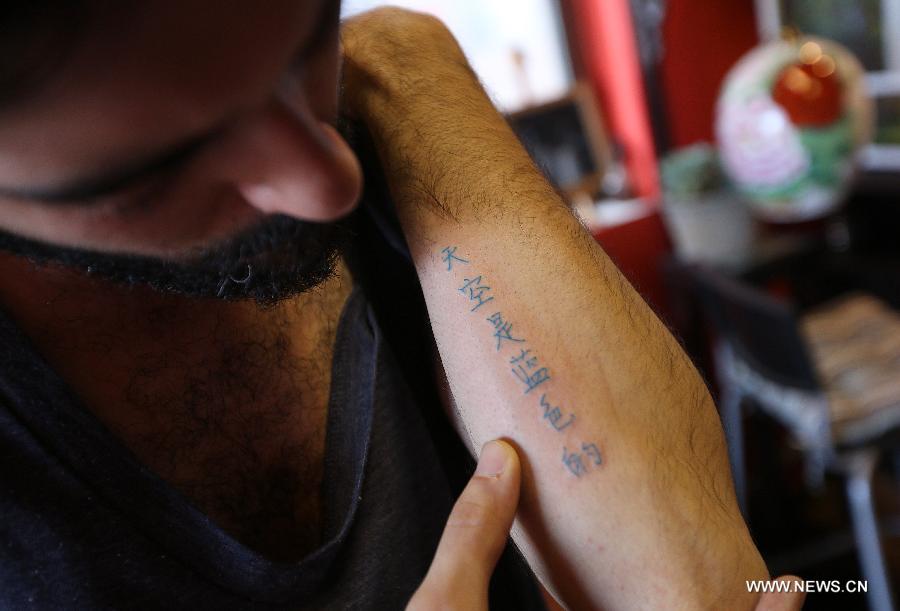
x: 790, y: 120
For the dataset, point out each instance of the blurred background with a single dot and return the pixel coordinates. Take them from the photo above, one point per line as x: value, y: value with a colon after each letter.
x: 740, y: 161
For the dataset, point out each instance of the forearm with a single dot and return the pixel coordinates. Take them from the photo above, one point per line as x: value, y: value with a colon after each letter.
x: 627, y: 502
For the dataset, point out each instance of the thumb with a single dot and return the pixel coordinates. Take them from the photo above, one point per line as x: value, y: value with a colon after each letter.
x: 475, y: 535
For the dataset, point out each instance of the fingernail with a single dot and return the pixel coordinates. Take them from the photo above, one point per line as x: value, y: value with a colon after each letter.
x: 494, y: 457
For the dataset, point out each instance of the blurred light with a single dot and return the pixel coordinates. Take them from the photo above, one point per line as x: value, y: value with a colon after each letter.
x: 810, y: 52
x: 772, y: 122
x: 823, y: 67
x: 797, y: 80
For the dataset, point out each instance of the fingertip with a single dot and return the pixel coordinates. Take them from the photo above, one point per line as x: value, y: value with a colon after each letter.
x: 497, y: 458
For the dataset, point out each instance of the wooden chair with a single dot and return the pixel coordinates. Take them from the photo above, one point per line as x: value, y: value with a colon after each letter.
x: 832, y: 378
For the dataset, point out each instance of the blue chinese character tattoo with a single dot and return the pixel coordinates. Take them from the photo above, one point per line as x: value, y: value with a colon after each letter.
x: 526, y: 367
x: 555, y: 415
x: 574, y: 463
x: 502, y: 329
x: 593, y: 452
x: 450, y: 257
x: 476, y: 291
x: 530, y: 361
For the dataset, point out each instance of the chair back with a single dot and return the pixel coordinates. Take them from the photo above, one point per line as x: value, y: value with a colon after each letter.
x: 762, y: 331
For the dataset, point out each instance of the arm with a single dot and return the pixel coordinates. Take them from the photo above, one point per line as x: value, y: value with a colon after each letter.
x: 476, y: 533
x: 626, y: 495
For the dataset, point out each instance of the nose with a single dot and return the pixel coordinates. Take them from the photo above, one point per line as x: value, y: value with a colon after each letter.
x: 284, y: 160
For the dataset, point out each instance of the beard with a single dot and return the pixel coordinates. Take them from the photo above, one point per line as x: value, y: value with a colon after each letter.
x: 274, y: 260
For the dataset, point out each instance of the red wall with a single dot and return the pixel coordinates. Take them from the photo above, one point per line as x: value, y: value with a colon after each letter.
x: 603, y: 35
x: 638, y: 249
x: 703, y: 39
x: 604, y: 38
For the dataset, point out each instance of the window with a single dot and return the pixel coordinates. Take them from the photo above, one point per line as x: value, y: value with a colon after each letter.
x: 517, y: 47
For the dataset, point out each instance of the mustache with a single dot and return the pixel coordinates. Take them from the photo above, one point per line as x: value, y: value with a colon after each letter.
x: 275, y: 259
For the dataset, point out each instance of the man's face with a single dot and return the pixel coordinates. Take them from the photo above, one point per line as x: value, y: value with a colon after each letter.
x: 185, y: 144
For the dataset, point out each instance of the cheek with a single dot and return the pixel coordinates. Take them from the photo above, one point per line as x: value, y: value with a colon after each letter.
x: 168, y: 225
x: 193, y: 213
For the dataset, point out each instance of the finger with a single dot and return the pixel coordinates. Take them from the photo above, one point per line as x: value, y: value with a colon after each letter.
x: 782, y: 601
x: 476, y: 533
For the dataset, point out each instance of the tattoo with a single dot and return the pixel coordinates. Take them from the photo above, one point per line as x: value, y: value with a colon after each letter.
x: 578, y: 463
x: 476, y: 292
x: 502, y: 329
x: 526, y: 367
x: 555, y: 415
x: 450, y: 257
x: 527, y: 370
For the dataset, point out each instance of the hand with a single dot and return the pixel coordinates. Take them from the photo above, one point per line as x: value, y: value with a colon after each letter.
x: 475, y: 535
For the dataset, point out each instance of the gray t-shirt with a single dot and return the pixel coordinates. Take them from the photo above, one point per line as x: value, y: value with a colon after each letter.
x: 84, y: 525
